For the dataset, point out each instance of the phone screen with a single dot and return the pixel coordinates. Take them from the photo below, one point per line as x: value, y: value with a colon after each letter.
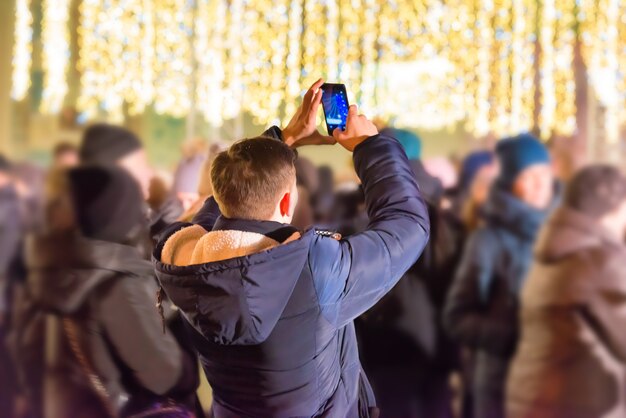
x: 335, y: 104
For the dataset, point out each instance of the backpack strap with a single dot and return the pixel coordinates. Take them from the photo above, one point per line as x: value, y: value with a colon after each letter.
x: 70, y: 329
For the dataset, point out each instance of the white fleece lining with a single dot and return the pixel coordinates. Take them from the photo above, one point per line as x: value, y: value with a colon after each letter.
x: 222, y: 245
x: 194, y: 245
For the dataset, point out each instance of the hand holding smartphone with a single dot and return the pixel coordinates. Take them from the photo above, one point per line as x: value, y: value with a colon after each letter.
x: 335, y: 105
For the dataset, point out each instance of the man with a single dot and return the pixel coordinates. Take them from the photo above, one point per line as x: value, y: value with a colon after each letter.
x: 571, y: 359
x: 105, y: 145
x: 271, y: 309
x: 482, y: 307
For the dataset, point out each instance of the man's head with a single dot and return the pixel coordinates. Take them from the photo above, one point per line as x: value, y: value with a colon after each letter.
x: 525, y: 170
x: 64, y: 155
x: 256, y: 179
x: 104, y: 144
x: 599, y: 191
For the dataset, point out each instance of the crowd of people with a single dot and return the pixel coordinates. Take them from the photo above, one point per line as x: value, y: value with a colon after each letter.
x: 490, y: 288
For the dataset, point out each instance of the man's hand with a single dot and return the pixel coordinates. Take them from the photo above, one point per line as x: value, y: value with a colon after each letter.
x: 358, y: 129
x: 302, y: 129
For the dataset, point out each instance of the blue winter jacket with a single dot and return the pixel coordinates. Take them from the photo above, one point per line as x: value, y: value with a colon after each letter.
x: 274, y: 329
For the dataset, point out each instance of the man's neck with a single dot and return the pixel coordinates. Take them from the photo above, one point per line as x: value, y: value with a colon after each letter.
x: 276, y: 230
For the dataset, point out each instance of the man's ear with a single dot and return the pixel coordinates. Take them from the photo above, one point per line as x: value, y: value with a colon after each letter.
x: 285, y: 204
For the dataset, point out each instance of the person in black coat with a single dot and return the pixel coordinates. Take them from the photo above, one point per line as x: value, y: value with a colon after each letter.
x: 403, y: 348
x: 482, y: 307
x: 95, y: 292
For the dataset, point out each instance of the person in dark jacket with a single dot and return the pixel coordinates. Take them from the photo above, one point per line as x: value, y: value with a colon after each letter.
x: 571, y: 359
x: 402, y: 346
x: 478, y: 171
x: 98, y: 291
x: 482, y: 306
x: 271, y: 308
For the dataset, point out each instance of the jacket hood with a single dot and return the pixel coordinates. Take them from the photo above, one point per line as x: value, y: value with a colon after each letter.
x: 231, y: 285
x: 65, y: 268
x: 569, y: 231
x: 504, y: 210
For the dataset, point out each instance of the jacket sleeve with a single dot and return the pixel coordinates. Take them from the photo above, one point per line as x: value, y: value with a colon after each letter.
x: 605, y: 310
x: 351, y: 275
x: 466, y: 317
x: 134, y: 328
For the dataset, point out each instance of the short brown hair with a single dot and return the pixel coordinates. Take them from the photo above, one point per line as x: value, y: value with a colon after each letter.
x: 596, y: 190
x: 249, y: 177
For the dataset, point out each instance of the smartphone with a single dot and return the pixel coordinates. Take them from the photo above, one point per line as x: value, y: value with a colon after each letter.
x: 335, y: 105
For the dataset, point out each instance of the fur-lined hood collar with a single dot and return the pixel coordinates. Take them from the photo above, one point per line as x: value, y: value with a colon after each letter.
x: 232, y: 285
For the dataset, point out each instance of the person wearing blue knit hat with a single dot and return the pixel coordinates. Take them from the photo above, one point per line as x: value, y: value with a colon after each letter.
x: 431, y: 187
x: 523, y: 159
x: 411, y: 143
x: 482, y: 306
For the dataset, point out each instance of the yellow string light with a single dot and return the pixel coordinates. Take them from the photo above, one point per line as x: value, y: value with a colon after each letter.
x: 369, y: 56
x: 22, y: 50
x: 210, y: 29
x: 501, y: 69
x: 622, y: 61
x: 522, y: 63
x: 480, y: 122
x: 293, y: 58
x: 564, y: 79
x: 600, y: 50
x: 56, y: 53
x: 426, y: 64
x: 96, y: 49
x: 173, y: 58
x: 116, y: 58
x: 546, y: 72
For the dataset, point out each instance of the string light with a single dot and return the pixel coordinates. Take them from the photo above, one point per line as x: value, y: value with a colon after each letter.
x: 622, y: 61
x: 522, y: 63
x: 501, y: 69
x: 546, y: 72
x: 173, y: 64
x: 558, y: 88
x: 564, y: 79
x: 210, y: 28
x: 369, y: 56
x: 22, y: 50
x: 56, y: 53
x: 600, y: 50
x: 480, y: 123
x: 293, y: 58
x: 425, y: 64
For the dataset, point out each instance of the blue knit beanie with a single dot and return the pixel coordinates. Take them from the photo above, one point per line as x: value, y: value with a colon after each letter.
x: 472, y: 164
x: 411, y: 143
x: 516, y: 154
